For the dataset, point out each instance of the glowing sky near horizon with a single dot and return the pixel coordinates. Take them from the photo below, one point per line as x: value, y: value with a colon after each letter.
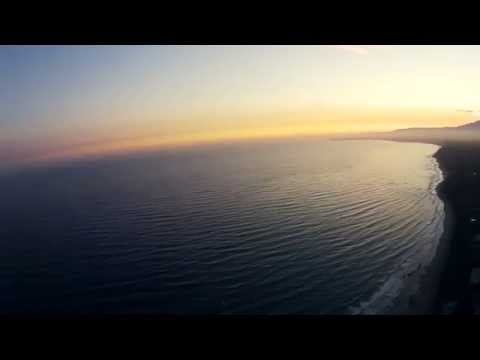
x: 67, y: 101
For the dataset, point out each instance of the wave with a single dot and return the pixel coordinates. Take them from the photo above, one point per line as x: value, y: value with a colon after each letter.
x: 413, y: 266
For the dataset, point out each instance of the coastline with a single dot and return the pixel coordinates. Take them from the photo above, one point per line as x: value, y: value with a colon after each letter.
x: 444, y: 286
x: 448, y: 236
x: 420, y: 295
x: 420, y: 292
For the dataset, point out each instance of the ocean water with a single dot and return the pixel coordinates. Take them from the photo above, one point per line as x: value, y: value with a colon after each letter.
x: 280, y: 227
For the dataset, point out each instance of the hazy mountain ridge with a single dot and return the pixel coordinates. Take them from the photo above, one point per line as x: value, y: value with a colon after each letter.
x: 470, y: 126
x: 437, y: 135
x: 473, y: 125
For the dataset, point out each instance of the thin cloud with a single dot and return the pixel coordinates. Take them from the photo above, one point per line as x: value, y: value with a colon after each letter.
x: 465, y: 110
x: 355, y: 49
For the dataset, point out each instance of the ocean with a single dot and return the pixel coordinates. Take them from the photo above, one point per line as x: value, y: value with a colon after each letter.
x: 299, y: 226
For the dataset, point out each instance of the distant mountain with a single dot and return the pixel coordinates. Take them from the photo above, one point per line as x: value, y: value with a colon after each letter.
x: 440, y: 135
x: 470, y: 126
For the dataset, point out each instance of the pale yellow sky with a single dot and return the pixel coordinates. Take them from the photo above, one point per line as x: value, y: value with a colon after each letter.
x: 73, y: 100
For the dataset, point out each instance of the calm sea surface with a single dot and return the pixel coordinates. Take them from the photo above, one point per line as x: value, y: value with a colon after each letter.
x: 288, y: 227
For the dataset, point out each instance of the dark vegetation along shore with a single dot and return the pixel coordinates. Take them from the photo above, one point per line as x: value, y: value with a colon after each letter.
x: 460, y: 163
x: 458, y: 290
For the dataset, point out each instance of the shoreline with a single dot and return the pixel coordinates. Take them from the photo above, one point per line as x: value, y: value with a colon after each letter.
x: 420, y: 292
x: 443, y: 287
x: 447, y: 237
x: 420, y: 296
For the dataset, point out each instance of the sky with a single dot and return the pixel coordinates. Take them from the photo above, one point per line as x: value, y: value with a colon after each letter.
x: 62, y: 102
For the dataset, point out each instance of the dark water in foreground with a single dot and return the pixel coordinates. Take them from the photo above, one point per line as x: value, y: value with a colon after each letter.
x: 290, y: 227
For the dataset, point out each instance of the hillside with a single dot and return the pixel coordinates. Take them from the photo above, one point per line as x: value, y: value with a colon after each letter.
x: 442, y: 135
